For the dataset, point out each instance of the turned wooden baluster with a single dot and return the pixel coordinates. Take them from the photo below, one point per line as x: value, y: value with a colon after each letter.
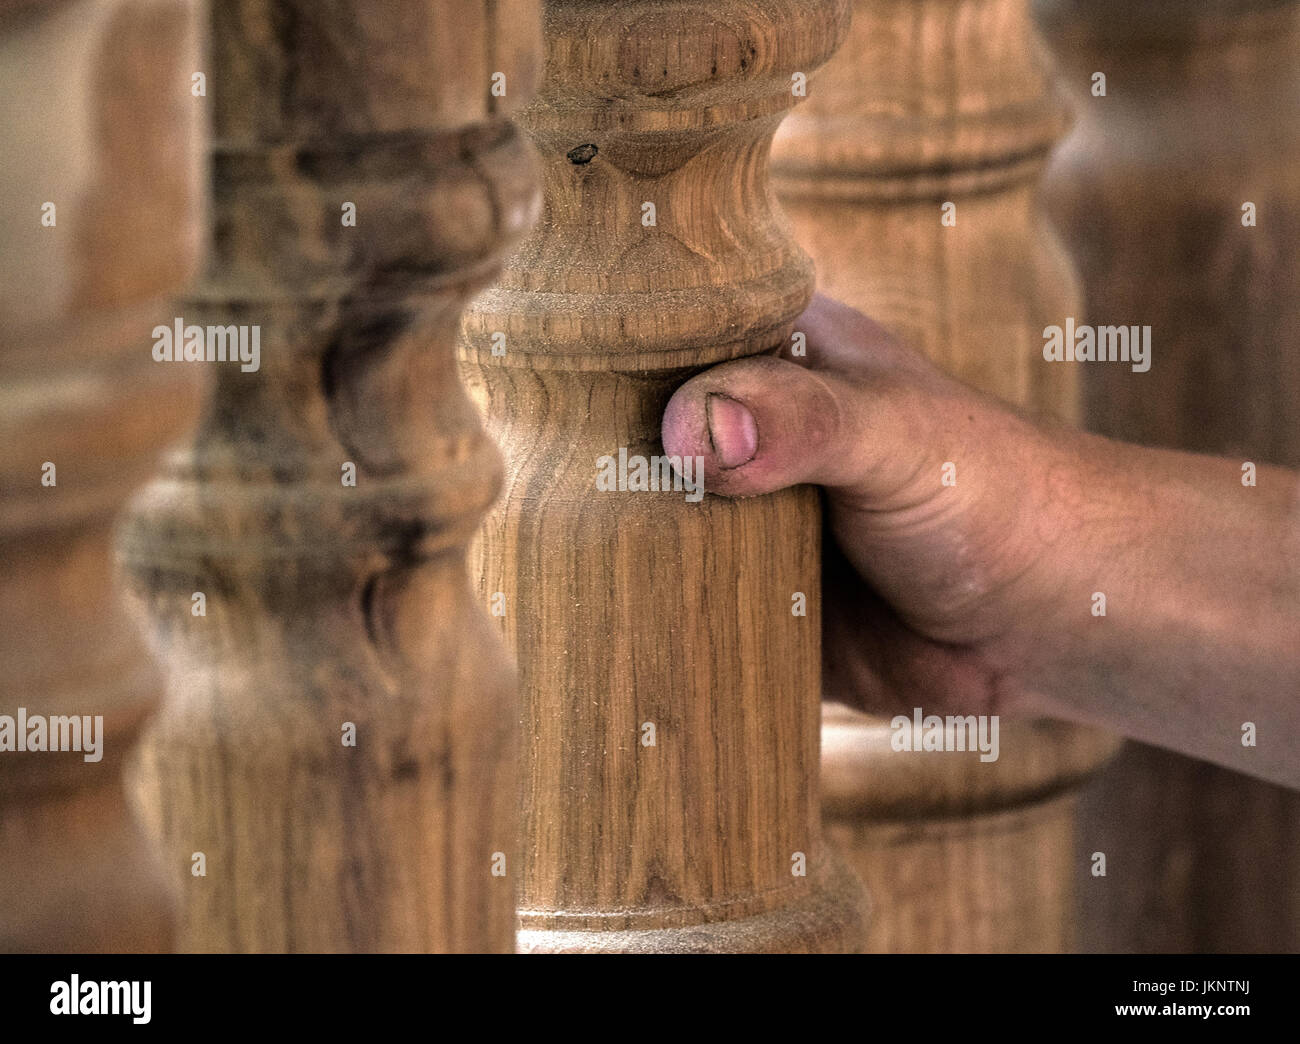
x: 100, y: 210
x: 1150, y: 190
x: 670, y: 696
x: 324, y: 507
x: 931, y: 103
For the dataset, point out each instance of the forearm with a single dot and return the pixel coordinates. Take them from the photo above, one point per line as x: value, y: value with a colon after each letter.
x: 1200, y: 637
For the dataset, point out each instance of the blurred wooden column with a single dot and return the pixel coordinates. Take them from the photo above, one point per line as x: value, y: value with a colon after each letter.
x: 324, y: 507
x: 97, y: 120
x: 670, y: 694
x: 934, y: 108
x: 1199, y: 119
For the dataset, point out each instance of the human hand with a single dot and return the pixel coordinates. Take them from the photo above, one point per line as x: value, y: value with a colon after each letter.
x: 934, y: 500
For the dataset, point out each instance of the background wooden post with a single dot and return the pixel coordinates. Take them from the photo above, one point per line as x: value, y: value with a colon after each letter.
x: 324, y: 507
x: 910, y: 178
x: 1150, y: 190
x: 670, y: 694
x: 100, y: 213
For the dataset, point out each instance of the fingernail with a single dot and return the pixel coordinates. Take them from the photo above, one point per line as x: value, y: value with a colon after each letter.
x: 732, y: 431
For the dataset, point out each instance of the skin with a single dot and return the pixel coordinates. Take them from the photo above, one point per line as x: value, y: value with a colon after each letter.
x: 978, y: 597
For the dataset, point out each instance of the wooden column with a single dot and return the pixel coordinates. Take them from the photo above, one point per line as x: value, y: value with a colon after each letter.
x: 670, y: 696
x: 339, y: 737
x: 99, y: 218
x: 1150, y: 191
x: 934, y: 110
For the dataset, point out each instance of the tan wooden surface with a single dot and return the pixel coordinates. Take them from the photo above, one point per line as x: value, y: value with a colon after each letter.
x: 327, y: 603
x: 633, y: 608
x: 96, y: 118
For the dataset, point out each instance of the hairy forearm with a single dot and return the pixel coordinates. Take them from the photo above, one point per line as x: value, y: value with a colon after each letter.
x: 1199, y: 645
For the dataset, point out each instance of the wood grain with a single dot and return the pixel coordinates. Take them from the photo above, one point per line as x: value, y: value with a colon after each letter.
x: 633, y: 608
x: 932, y: 102
x: 1148, y: 191
x: 328, y: 603
x: 79, y: 390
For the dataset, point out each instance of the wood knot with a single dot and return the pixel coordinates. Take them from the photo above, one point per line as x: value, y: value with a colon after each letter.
x: 582, y: 154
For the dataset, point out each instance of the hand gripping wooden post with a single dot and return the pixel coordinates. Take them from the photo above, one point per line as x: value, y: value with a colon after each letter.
x: 670, y: 693
x: 910, y: 177
x: 100, y: 211
x: 338, y: 743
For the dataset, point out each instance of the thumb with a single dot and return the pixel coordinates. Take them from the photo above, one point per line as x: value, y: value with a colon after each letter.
x: 761, y: 424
